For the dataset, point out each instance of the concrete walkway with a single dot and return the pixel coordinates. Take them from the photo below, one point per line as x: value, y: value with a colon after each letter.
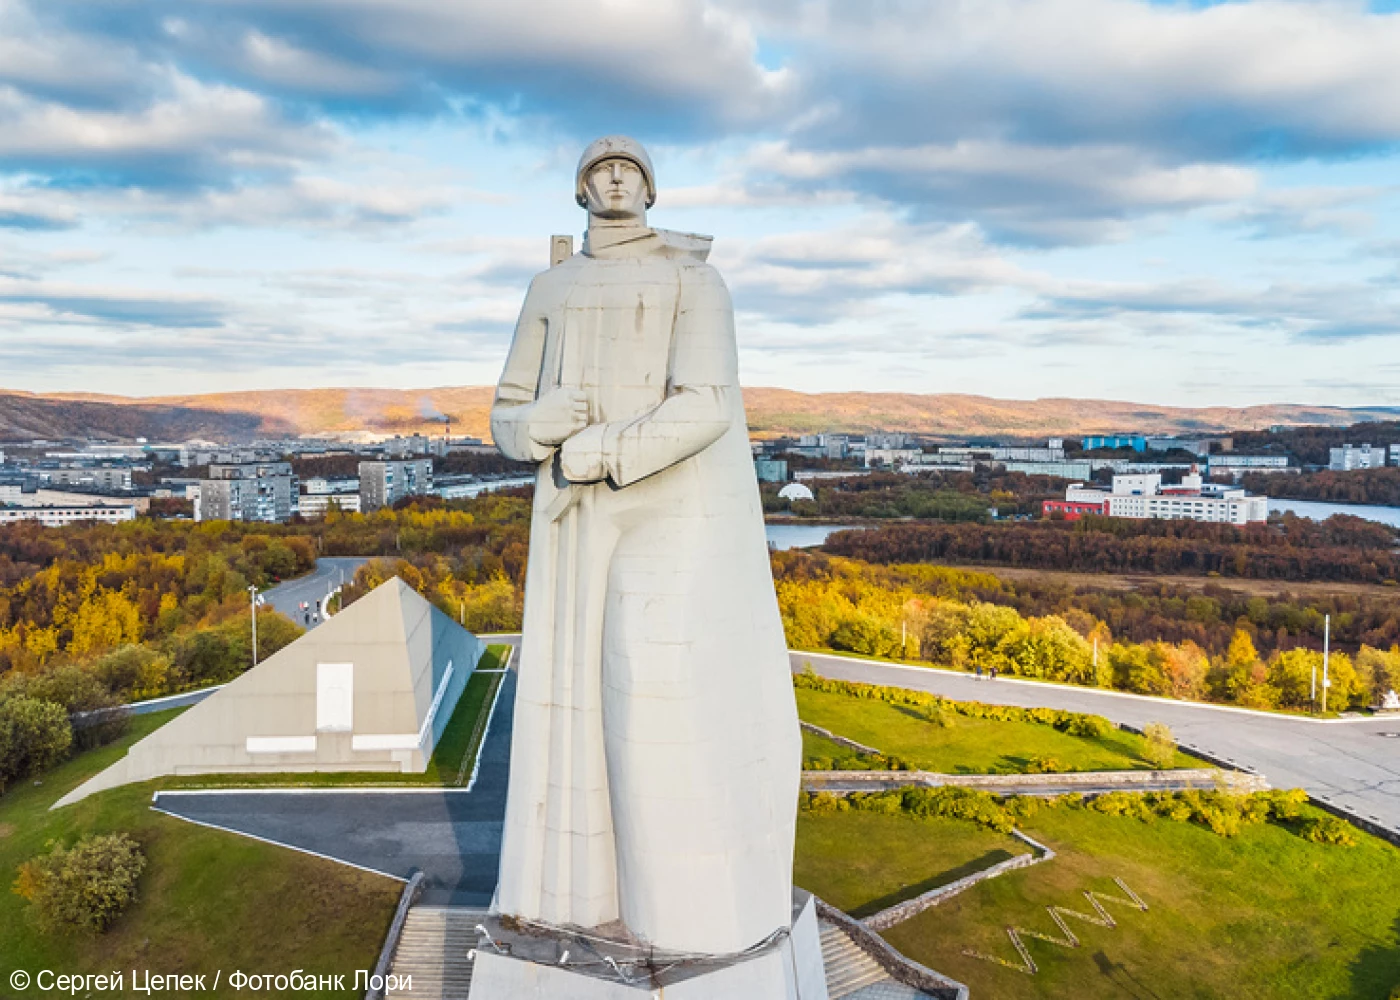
x: 1355, y: 765
x: 453, y: 835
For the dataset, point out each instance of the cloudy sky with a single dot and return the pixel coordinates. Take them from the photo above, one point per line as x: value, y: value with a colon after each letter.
x: 1170, y: 202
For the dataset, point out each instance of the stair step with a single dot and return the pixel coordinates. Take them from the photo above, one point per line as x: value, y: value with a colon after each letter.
x: 434, y: 949
x: 848, y: 968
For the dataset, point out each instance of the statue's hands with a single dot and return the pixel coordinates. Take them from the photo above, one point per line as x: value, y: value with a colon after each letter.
x: 581, y: 457
x: 558, y: 414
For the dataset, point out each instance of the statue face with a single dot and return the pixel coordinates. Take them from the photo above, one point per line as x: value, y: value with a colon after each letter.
x: 616, y: 189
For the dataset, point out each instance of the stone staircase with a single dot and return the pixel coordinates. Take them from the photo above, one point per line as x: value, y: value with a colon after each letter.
x: 848, y: 968
x: 434, y: 950
x: 437, y: 941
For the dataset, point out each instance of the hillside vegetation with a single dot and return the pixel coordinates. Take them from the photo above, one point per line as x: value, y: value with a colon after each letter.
x: 771, y: 412
x: 1340, y: 549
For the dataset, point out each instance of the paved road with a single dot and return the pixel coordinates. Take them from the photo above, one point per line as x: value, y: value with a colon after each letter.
x: 454, y: 836
x: 330, y: 572
x: 1350, y: 763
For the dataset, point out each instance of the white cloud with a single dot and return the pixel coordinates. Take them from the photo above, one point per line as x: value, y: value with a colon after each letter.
x: 278, y: 63
x: 194, y: 128
x: 818, y: 275
x: 1195, y: 81
x: 1021, y: 192
x: 1311, y: 210
x: 39, y: 58
x: 303, y: 201
x: 21, y: 209
x: 1299, y: 310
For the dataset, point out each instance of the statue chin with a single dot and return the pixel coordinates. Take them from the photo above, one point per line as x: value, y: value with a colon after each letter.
x: 631, y: 214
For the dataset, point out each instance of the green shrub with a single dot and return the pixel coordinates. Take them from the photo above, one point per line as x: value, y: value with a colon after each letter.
x: 824, y: 802
x: 1045, y: 765
x: 79, y: 690
x: 886, y: 803
x: 1284, y: 804
x: 854, y: 761
x: 1089, y: 727
x: 34, y: 735
x: 941, y: 715
x: 1328, y: 830
x: 953, y: 802
x: 1023, y: 807
x: 82, y: 888
x: 1160, y: 750
x: 1169, y: 806
x: 1123, y: 804
x: 134, y: 671
x: 1223, y: 813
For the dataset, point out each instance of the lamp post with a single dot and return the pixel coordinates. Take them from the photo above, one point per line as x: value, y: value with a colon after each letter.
x: 1326, y: 655
x: 253, y: 605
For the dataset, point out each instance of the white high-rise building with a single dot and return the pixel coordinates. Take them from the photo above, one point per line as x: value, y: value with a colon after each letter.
x: 1349, y: 458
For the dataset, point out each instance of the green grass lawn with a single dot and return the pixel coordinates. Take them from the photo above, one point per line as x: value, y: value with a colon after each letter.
x: 968, y: 746
x: 452, y: 760
x: 208, y: 900
x: 866, y: 862
x: 1263, y: 916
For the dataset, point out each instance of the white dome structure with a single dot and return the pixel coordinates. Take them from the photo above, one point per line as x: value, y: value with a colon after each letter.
x: 796, y: 491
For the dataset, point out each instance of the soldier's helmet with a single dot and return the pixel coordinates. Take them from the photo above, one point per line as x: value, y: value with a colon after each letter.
x: 611, y: 147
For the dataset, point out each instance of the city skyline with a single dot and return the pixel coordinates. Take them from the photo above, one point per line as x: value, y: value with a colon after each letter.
x: 1190, y: 204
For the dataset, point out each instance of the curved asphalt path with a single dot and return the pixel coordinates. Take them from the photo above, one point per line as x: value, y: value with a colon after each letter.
x: 453, y: 835
x: 330, y: 572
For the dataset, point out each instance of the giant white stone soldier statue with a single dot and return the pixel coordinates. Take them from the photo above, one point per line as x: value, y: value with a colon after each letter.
x: 655, y: 759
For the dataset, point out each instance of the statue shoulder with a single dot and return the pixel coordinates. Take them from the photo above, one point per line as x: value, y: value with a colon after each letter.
x: 701, y: 277
x: 560, y: 274
x: 683, y: 246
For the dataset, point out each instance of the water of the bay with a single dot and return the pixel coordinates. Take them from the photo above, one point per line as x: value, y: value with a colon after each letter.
x: 1317, y: 511
x: 805, y: 536
x: 801, y: 536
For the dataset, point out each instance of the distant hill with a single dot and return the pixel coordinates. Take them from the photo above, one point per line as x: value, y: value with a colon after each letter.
x: 238, y: 416
x: 782, y: 411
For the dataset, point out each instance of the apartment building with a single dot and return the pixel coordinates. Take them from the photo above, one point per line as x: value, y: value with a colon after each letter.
x: 383, y: 484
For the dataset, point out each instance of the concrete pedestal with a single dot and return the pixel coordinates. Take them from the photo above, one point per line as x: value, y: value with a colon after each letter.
x: 565, y: 966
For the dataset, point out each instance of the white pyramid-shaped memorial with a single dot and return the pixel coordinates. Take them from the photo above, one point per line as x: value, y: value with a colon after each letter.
x: 370, y: 690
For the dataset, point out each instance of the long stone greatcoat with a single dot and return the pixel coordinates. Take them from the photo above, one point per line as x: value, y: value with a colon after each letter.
x: 656, y: 756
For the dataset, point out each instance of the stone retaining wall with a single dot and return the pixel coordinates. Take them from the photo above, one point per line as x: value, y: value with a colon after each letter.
x: 827, y: 734
x: 1036, y: 784
x: 901, y: 912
